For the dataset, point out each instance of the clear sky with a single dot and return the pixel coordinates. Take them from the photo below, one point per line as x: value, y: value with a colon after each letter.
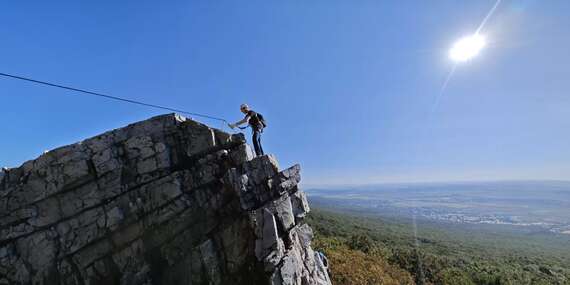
x: 346, y: 86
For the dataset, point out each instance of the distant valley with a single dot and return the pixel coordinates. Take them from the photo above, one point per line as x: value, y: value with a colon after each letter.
x: 445, y: 233
x: 534, y: 206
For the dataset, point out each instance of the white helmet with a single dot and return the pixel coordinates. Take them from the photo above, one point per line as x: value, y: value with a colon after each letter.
x: 244, y: 106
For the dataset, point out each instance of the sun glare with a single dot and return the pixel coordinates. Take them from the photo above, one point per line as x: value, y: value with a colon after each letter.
x: 466, y: 48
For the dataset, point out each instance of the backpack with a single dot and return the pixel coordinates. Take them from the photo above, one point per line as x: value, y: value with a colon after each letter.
x: 261, y: 120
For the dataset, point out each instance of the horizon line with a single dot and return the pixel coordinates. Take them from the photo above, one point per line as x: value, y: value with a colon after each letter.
x: 309, y: 186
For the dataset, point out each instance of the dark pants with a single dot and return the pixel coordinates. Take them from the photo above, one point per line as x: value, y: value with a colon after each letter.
x: 257, y: 142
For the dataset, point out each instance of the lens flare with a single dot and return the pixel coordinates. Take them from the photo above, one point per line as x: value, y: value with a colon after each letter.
x: 466, y: 48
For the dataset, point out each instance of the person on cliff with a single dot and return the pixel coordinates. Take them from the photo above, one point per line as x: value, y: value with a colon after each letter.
x: 257, y: 124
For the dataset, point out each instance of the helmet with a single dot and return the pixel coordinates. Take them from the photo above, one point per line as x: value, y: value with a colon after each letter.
x: 244, y: 106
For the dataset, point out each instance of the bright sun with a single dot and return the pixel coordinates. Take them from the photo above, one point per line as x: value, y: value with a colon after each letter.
x: 467, y: 47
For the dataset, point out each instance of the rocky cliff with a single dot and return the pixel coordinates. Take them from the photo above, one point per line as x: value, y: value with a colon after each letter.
x: 163, y: 201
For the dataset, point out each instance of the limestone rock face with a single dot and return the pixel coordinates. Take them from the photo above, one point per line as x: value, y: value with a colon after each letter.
x: 163, y: 201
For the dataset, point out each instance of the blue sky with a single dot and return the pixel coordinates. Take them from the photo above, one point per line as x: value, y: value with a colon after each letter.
x: 347, y: 86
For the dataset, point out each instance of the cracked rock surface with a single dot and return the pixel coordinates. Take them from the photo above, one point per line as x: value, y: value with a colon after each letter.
x: 163, y: 201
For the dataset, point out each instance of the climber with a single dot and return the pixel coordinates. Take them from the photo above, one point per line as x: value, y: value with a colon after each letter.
x: 324, y: 260
x: 256, y: 122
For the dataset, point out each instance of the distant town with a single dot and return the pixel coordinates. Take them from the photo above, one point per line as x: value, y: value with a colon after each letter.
x: 441, y: 215
x: 540, y: 206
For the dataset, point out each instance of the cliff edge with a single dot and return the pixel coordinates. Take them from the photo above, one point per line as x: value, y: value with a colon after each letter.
x: 163, y: 201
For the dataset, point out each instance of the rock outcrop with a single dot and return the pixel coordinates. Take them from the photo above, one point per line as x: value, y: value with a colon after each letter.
x: 163, y: 201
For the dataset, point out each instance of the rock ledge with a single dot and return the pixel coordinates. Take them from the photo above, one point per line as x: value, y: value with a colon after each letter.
x: 163, y: 201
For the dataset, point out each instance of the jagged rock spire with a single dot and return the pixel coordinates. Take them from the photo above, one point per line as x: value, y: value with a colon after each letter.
x: 163, y: 201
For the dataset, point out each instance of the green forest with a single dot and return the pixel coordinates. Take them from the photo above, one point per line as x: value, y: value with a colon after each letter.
x: 366, y: 250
